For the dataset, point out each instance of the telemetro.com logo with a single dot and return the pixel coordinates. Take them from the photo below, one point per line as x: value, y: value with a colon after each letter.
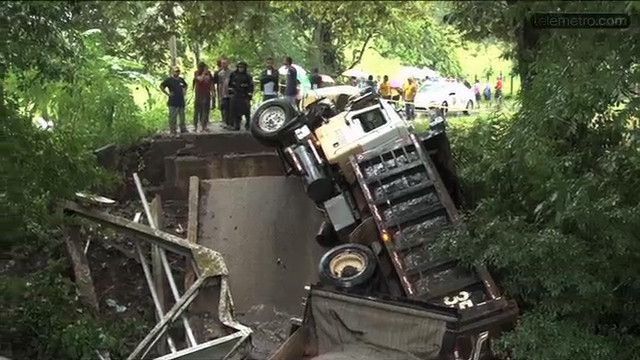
x: 580, y: 21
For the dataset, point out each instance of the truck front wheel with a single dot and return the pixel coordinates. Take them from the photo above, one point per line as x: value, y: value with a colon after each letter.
x: 271, y: 117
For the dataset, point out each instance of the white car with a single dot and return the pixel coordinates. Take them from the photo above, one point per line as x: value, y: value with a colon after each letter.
x: 448, y: 96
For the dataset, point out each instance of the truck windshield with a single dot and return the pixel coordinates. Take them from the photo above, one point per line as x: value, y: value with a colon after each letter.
x: 371, y: 119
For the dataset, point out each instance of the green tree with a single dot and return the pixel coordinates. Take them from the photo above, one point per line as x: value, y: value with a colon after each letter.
x: 553, y: 209
x: 420, y: 39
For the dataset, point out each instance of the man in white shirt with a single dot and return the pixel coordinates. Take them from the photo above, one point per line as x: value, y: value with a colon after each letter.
x: 269, y: 81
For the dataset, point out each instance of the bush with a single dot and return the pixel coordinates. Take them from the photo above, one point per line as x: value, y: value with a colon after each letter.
x: 43, y: 320
x: 553, y: 206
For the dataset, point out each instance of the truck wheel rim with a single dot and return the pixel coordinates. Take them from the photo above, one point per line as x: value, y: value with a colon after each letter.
x: 271, y: 119
x: 347, y: 259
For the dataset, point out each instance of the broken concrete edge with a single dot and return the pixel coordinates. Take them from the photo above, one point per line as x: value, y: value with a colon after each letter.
x: 209, y: 263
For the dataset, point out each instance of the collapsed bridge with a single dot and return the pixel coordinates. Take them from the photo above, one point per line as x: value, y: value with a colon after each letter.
x: 243, y: 207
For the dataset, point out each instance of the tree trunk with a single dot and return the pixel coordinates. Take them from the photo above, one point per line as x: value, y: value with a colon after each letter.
x: 196, y: 52
x: 527, y: 46
x: 174, y: 51
x: 323, y: 53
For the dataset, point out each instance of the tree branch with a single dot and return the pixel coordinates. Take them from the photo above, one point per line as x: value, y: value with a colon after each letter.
x: 356, y: 59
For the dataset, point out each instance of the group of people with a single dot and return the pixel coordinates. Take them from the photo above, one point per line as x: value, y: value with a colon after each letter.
x: 486, y: 93
x: 408, y: 93
x: 232, y: 90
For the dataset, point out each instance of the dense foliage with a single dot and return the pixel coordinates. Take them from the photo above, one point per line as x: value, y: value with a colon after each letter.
x: 552, y: 199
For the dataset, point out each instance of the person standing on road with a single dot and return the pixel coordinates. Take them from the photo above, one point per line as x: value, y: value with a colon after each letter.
x: 315, y: 79
x: 498, y: 95
x: 224, y: 99
x: 409, y: 92
x: 291, y: 85
x: 241, y: 90
x: 385, y: 88
x: 176, y: 87
x: 487, y: 92
x: 477, y: 91
x: 204, y: 92
x: 269, y: 81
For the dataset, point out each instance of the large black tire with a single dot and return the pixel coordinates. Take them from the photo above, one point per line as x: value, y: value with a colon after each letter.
x: 347, y: 266
x: 270, y: 118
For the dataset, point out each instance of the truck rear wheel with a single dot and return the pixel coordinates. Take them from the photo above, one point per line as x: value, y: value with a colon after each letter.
x: 347, y: 266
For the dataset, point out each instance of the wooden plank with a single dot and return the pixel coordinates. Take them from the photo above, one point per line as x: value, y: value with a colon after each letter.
x: 194, y: 197
x: 165, y: 240
x: 81, y: 268
x: 192, y: 226
x: 156, y: 262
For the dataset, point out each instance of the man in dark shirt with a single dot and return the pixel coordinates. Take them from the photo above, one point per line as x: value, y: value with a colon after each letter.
x: 177, y: 88
x: 269, y: 81
x: 371, y: 83
x: 291, y: 87
x: 315, y: 79
x: 241, y: 90
x: 204, y: 92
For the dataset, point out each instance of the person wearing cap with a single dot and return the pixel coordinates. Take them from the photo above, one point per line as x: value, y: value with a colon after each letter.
x: 241, y: 91
x: 175, y: 87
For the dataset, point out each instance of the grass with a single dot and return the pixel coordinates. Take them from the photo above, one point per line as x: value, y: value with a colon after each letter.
x: 459, y: 121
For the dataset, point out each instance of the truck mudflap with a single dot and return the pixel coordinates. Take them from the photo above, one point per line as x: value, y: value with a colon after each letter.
x: 411, y: 206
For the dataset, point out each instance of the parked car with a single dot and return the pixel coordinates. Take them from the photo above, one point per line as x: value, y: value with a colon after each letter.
x: 444, y: 95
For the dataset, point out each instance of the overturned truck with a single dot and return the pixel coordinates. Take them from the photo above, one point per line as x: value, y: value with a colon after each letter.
x: 386, y: 193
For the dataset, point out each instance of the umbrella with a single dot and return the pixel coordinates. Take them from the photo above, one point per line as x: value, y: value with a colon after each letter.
x: 299, y: 70
x: 415, y: 72
x: 355, y: 73
x: 327, y: 79
x: 301, y: 75
x: 396, y: 83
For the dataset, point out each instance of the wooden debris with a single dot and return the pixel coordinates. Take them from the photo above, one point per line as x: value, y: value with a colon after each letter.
x: 156, y: 260
x: 81, y: 268
x: 192, y: 226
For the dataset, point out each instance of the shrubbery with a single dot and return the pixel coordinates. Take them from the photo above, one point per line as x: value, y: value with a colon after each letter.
x: 552, y: 201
